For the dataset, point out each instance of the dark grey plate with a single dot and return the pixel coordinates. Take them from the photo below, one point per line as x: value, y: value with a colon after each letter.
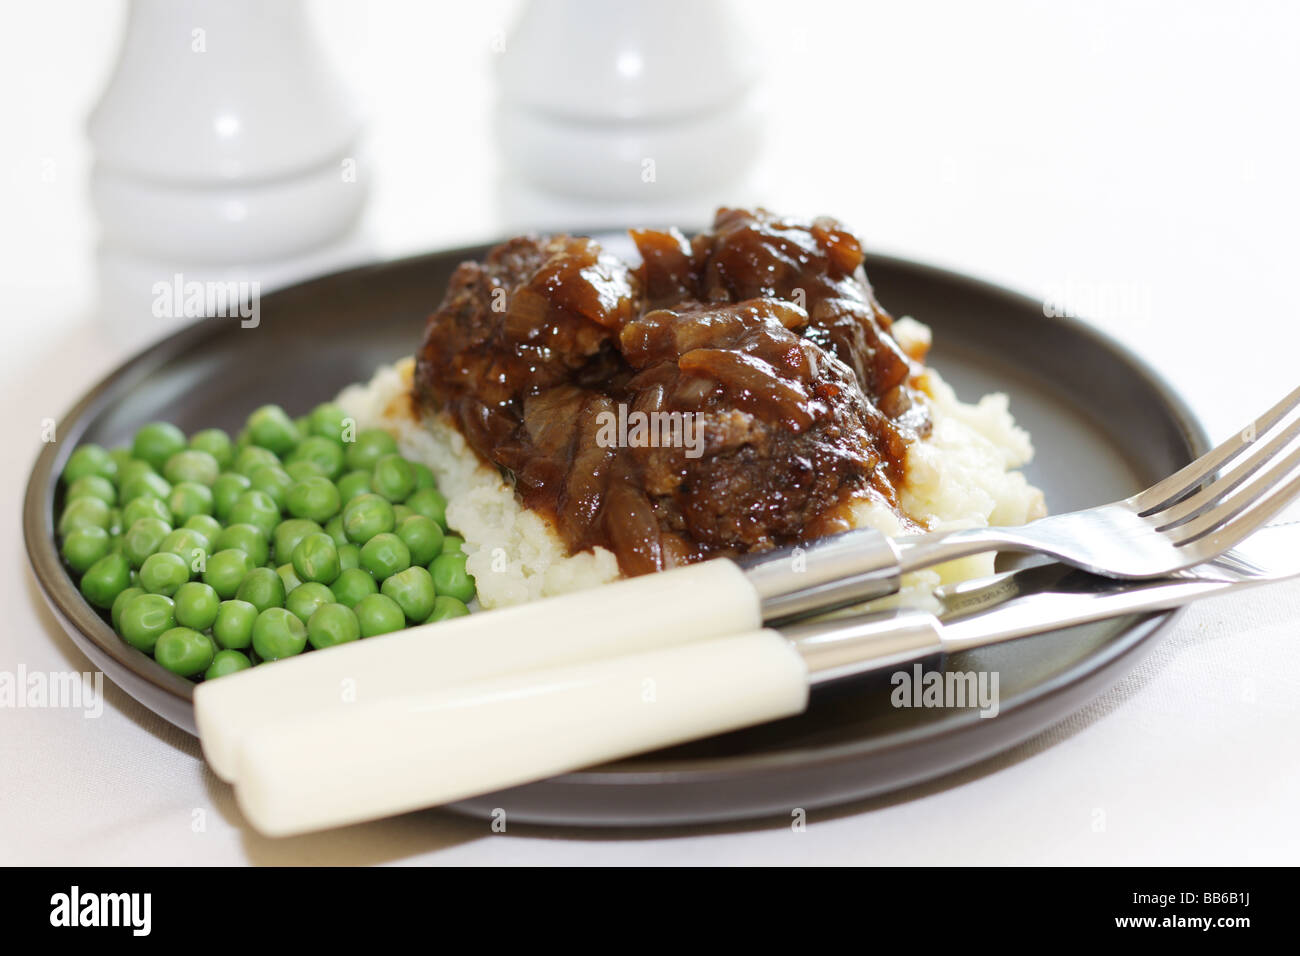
x: 1103, y: 424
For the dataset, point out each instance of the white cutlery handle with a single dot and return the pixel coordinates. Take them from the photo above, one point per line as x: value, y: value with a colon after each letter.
x: 696, y: 602
x: 316, y: 771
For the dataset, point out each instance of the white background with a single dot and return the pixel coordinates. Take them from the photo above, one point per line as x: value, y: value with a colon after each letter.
x: 1138, y: 155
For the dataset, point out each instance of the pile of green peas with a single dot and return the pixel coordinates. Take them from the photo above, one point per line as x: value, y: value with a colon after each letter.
x: 214, y: 555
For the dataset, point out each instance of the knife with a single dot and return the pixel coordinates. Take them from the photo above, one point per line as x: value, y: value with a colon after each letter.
x: 316, y: 770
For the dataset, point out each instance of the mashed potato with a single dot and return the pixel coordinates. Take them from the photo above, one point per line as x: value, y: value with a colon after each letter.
x: 962, y: 475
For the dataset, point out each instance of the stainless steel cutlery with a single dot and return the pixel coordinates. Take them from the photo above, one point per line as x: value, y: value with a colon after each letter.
x: 427, y: 716
x: 397, y: 754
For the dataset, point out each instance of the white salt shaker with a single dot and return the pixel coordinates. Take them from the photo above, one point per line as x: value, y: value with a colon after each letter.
x: 226, y: 150
x: 637, y: 112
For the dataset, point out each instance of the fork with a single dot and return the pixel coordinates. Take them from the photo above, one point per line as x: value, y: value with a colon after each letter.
x: 1194, y: 515
x: 1184, y: 520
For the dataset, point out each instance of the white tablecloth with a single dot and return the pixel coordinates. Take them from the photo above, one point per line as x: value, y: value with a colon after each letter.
x: 1134, y: 160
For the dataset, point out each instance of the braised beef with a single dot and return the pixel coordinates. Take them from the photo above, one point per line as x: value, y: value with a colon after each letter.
x: 780, y: 391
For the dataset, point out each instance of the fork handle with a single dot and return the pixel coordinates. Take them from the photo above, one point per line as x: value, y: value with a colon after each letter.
x: 696, y: 602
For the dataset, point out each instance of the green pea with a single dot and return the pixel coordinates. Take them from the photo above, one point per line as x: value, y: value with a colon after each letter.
x: 451, y: 578
x: 143, y: 538
x: 430, y: 503
x: 163, y: 573
x: 334, y: 528
x: 115, y: 522
x: 446, y: 607
x: 269, y: 427
x: 412, y: 590
x: 196, y: 605
x: 288, y: 577
x: 423, y: 537
x: 401, y: 513
x: 191, y: 546
x: 89, y: 459
x: 85, y: 513
x: 133, y: 468
x: 256, y: 508
x: 184, y: 651
x: 233, y: 627
x: 274, y: 481
x: 189, y: 499
x: 316, y: 558
x: 105, y: 580
x: 371, y: 445
x: 82, y: 547
x: 226, y: 662
x: 314, y: 498
x: 332, y: 624
x: 145, y: 618
x: 352, y: 585
x: 252, y: 457
x: 323, y: 453
x: 119, y: 602
x: 349, y: 556
x: 117, y: 458
x: 378, y: 614
x: 277, y: 633
x: 92, y: 486
x: 262, y: 588
x: 453, y: 544
x: 303, y: 424
x: 246, y: 538
x: 146, y: 507
x: 328, y: 420
x: 366, y: 516
x: 423, y: 476
x: 353, y: 484
x: 216, y: 443
x: 301, y: 470
x: 225, y: 570
x: 288, y: 534
x: 384, y: 555
x: 156, y: 442
x: 393, y: 478
x: 205, y: 525
x: 225, y: 490
x: 306, y: 598
x: 190, y: 465
x: 148, y: 483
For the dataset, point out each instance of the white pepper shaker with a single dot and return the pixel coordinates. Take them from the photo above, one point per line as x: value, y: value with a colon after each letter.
x: 643, y: 111
x: 226, y: 150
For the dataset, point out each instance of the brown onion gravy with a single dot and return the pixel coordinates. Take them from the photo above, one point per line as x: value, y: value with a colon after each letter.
x: 758, y: 340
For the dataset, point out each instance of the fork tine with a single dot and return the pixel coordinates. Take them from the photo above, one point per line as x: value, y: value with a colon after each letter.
x: 1258, y: 456
x: 1256, y: 502
x: 1237, y: 531
x: 1187, y: 478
